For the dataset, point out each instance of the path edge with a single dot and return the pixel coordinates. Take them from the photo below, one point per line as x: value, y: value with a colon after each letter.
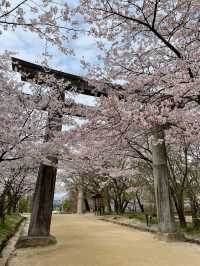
x: 4, y: 242
x: 187, y: 239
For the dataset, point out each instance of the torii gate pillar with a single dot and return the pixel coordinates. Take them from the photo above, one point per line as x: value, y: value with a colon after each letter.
x: 40, y: 222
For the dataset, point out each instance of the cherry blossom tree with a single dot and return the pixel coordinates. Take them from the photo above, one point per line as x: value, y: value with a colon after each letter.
x: 153, y: 48
x: 48, y: 19
x: 16, y: 181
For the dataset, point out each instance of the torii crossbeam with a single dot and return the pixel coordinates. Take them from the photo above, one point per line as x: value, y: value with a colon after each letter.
x: 30, y: 72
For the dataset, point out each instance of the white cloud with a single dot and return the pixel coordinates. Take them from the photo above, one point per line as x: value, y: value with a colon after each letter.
x: 28, y: 46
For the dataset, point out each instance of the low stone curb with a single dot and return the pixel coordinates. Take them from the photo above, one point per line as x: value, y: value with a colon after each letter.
x: 4, y: 242
x: 144, y: 229
x: 191, y: 240
x: 188, y: 238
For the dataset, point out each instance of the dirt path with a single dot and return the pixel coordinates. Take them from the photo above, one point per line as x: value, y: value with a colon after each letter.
x: 84, y: 241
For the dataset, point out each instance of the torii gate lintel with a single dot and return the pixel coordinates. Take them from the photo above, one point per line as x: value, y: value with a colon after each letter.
x: 30, y: 72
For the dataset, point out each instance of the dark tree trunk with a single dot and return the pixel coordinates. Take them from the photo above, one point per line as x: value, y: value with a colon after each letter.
x: 125, y: 204
x: 139, y: 203
x: 194, y: 210
x: 108, y: 208
x: 14, y: 207
x: 165, y: 215
x: 120, y: 206
x: 178, y: 202
x: 120, y: 209
x: 87, y: 206
x: 120, y: 203
x: 2, y: 206
x: 181, y: 216
x: 14, y: 204
x: 116, y: 206
x: 9, y: 203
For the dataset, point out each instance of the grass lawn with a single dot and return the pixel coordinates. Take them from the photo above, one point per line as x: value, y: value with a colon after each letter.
x: 190, y: 229
x: 141, y: 217
x: 8, y: 228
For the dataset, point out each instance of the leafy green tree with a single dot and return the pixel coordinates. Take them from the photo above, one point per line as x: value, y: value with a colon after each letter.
x: 23, y: 205
x: 66, y: 206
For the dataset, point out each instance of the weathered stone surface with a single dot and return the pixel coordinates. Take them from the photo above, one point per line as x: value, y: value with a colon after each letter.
x: 35, y: 241
x: 166, y: 222
x: 170, y: 237
x: 80, y: 198
x: 43, y: 202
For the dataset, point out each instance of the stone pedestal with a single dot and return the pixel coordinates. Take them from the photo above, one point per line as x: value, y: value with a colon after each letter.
x: 170, y: 237
x: 35, y: 241
x: 43, y: 201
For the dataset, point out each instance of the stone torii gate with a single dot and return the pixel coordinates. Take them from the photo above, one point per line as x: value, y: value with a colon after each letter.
x: 39, y: 228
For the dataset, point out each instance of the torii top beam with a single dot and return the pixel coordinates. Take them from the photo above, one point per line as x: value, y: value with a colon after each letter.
x: 31, y: 71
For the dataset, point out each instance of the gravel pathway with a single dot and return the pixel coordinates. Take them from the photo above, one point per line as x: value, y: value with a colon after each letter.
x: 86, y: 241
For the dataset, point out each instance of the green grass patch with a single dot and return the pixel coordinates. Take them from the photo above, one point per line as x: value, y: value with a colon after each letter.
x: 190, y: 229
x: 8, y: 228
x: 142, y: 217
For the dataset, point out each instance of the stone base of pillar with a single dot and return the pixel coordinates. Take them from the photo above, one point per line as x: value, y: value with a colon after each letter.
x: 35, y: 241
x: 170, y: 237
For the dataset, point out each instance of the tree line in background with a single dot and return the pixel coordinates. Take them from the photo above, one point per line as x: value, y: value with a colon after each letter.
x: 128, y: 185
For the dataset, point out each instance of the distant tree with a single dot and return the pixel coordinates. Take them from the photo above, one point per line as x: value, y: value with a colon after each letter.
x: 23, y: 205
x: 66, y: 206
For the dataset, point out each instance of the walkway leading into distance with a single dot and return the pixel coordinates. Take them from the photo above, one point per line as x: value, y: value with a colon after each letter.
x: 85, y: 241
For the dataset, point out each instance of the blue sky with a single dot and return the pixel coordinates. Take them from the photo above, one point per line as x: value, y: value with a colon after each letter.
x: 28, y: 46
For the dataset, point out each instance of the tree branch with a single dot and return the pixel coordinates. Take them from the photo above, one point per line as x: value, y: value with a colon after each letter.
x: 13, y: 9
